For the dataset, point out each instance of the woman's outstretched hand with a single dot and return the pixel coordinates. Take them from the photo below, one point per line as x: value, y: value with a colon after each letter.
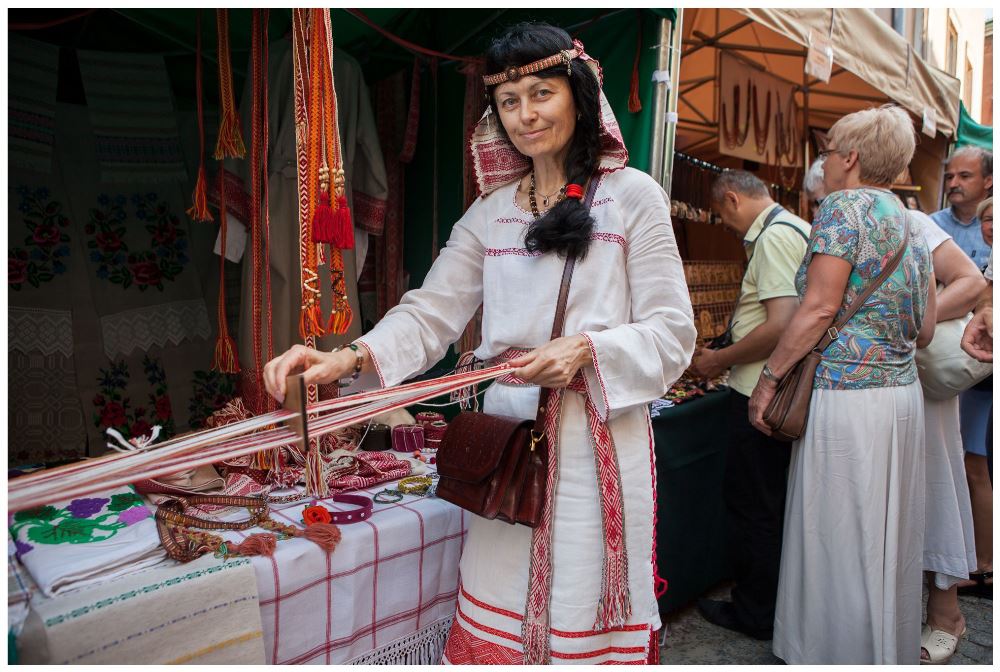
x: 555, y: 363
x: 319, y: 368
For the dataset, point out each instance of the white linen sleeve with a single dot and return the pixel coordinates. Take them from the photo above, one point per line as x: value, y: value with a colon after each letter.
x: 414, y: 335
x: 637, y: 362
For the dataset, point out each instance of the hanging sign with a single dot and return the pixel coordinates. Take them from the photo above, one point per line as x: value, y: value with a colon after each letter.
x: 758, y: 117
x: 930, y: 122
x: 819, y: 58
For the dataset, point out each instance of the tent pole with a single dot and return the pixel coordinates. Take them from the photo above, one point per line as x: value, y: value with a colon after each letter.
x: 660, y: 92
x: 803, y: 199
x: 675, y: 77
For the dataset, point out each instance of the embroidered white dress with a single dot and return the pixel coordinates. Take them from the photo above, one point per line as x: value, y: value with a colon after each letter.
x: 629, y: 298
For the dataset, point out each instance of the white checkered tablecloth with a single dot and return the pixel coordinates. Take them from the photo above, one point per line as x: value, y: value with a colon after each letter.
x: 386, y: 594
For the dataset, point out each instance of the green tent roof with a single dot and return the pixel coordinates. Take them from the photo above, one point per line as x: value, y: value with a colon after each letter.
x: 972, y: 133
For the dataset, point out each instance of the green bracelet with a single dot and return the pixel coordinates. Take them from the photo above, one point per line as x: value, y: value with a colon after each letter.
x: 395, y: 495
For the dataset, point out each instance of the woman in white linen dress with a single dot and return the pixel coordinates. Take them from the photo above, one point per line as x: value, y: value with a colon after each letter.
x: 949, y: 539
x: 547, y: 595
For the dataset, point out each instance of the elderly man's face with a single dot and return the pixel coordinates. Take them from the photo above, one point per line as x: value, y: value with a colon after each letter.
x: 964, y: 182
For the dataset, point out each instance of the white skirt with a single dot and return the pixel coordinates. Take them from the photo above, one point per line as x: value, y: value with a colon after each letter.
x: 496, y: 557
x: 949, y: 542
x: 849, y: 590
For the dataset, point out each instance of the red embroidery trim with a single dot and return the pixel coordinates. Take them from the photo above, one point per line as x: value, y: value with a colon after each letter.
x: 510, y: 251
x: 369, y: 212
x: 568, y: 634
x: 371, y: 353
x: 611, y: 238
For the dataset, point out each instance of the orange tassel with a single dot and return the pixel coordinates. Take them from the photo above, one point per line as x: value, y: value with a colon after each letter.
x: 230, y: 141
x: 342, y: 231
x: 311, y: 321
x: 257, y: 544
x: 324, y: 219
x: 324, y: 535
x: 199, y: 210
x: 225, y: 359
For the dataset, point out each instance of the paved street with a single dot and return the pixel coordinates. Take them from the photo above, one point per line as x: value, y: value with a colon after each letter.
x: 691, y: 640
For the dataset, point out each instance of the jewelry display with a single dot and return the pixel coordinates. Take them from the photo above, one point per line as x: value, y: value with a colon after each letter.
x: 736, y: 136
x: 761, y: 133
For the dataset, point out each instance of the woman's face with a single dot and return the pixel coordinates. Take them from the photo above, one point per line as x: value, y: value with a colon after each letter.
x: 538, y: 114
x: 987, y: 225
x: 835, y: 170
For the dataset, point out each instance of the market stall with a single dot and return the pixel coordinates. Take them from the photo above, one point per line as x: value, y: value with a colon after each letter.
x: 813, y: 66
x: 385, y: 594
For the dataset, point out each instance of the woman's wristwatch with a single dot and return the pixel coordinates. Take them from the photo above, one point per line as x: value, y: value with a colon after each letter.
x: 766, y: 372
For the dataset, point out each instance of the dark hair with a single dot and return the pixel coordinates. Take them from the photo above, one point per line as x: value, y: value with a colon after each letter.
x: 566, y: 228
x: 740, y: 181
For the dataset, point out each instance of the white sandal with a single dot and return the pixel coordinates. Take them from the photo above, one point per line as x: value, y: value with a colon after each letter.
x: 939, y: 645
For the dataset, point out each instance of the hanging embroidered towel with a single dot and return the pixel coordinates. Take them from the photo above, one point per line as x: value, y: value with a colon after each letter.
x: 31, y: 103
x: 86, y: 541
x: 132, y: 111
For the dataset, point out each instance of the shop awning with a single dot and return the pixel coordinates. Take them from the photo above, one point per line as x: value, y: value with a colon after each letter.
x: 972, y: 133
x: 868, y: 47
x: 872, y: 65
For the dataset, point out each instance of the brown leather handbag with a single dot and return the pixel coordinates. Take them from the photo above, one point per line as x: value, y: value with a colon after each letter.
x: 496, y: 466
x: 788, y: 411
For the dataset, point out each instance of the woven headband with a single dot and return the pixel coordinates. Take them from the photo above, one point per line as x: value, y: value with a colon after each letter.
x: 514, y: 73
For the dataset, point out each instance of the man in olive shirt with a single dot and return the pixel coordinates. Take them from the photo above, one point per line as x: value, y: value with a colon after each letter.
x: 756, y: 465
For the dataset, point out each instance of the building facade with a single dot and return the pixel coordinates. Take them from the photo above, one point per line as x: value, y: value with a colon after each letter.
x: 951, y: 40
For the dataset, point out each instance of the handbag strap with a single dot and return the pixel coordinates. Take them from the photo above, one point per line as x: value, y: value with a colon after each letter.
x: 833, y: 333
x: 560, y: 319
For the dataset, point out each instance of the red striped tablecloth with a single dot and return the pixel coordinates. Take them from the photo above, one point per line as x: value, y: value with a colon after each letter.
x: 387, y: 593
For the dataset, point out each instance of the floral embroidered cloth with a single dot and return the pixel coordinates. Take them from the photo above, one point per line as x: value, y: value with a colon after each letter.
x: 875, y: 348
x: 85, y: 541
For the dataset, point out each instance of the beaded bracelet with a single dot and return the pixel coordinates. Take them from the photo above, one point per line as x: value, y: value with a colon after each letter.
x: 415, y: 485
x: 358, y: 362
x: 393, y: 495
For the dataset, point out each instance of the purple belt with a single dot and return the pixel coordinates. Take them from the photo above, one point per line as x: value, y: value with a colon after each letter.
x: 353, y: 516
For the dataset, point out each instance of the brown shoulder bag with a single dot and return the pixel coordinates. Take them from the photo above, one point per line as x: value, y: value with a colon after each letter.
x: 787, y: 413
x: 496, y: 466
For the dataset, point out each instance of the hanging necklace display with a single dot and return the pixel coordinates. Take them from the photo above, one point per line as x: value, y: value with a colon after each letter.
x: 735, y: 136
x: 761, y: 132
x: 545, y: 199
x: 792, y: 140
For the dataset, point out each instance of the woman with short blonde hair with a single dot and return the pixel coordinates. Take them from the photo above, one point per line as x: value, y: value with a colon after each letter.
x: 883, y: 139
x: 849, y: 589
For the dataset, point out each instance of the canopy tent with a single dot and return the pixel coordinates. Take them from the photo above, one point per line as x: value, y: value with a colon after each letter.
x: 970, y: 132
x: 775, y: 41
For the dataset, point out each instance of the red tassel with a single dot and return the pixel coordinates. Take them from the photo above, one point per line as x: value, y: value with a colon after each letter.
x: 634, y: 102
x: 323, y: 220
x: 324, y: 535
x: 257, y: 544
x: 343, y: 227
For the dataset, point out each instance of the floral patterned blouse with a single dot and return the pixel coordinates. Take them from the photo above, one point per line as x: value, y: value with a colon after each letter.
x: 876, y: 347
